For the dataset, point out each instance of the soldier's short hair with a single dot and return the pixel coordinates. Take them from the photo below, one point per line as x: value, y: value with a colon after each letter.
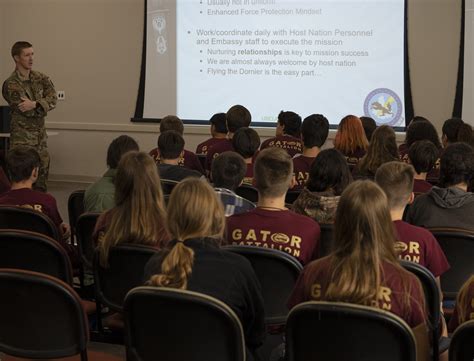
x: 119, y: 147
x: 21, y: 160
x: 172, y: 122
x: 19, y: 46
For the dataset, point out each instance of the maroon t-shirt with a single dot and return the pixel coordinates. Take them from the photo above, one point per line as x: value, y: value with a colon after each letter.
x: 291, y: 144
x: 221, y: 147
x: 39, y: 201
x: 421, y: 186
x: 313, y: 283
x: 418, y: 245
x: 204, y: 147
x: 454, y: 322
x: 4, y: 182
x: 301, y: 168
x: 283, y: 230
x: 186, y: 159
x: 403, y: 152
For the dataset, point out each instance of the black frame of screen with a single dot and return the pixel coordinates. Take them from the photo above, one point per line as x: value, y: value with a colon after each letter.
x: 457, y: 108
x: 409, y: 112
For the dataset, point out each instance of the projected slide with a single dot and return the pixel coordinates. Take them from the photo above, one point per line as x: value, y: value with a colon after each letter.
x: 334, y: 57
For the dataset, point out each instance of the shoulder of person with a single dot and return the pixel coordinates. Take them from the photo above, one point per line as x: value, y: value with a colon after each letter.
x: 36, y: 75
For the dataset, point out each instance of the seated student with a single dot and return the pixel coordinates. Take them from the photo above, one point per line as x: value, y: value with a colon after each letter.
x: 422, y: 155
x: 287, y: 134
x: 382, y: 149
x: 171, y: 145
x: 237, y: 117
x: 227, y: 174
x: 464, y: 309
x: 99, y: 196
x: 194, y: 261
x: 139, y: 214
x: 328, y: 178
x: 246, y: 143
x: 451, y: 205
x: 450, y: 131
x: 369, y: 126
x: 271, y: 224
x: 363, y: 267
x: 187, y: 158
x: 314, y: 133
x: 414, y: 244
x: 465, y: 134
x: 419, y: 130
x: 23, y: 164
x: 350, y: 139
x: 218, y: 132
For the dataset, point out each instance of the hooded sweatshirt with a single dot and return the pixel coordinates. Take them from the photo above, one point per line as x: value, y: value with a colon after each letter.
x: 443, y: 207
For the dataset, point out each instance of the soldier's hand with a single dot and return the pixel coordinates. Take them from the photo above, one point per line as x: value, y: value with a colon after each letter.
x: 26, y: 105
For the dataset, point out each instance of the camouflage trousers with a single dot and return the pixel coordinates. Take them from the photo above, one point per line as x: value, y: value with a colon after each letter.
x: 34, y: 135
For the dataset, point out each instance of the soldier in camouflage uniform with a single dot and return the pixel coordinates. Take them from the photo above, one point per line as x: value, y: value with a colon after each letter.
x: 31, y: 95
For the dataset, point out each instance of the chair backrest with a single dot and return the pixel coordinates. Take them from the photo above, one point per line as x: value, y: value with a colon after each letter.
x: 75, y: 207
x: 42, y: 317
x: 168, y: 185
x: 458, y: 246
x: 291, y: 196
x: 432, y: 299
x: 345, y: 332
x: 326, y: 240
x: 277, y: 273
x: 14, y: 217
x: 462, y: 347
x: 84, y: 231
x: 124, y: 272
x: 248, y: 192
x: 174, y: 325
x: 202, y: 160
x: 34, y: 252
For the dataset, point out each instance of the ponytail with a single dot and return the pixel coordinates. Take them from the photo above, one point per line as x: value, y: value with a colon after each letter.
x: 176, y: 268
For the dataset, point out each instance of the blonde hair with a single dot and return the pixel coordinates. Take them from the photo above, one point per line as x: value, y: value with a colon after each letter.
x: 382, y: 149
x: 194, y: 211
x: 364, y: 238
x: 139, y: 214
x: 463, y: 301
x: 396, y: 180
x: 273, y: 171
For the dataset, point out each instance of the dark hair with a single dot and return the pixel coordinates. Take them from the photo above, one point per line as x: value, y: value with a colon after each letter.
x: 422, y: 130
x: 18, y: 47
x: 246, y: 142
x: 315, y: 130
x: 170, y: 144
x: 450, y: 129
x: 329, y: 170
x: 457, y: 165
x: 465, y: 134
x: 292, y: 123
x: 218, y: 120
x: 238, y: 117
x: 228, y: 170
x: 369, y: 126
x: 119, y: 147
x: 171, y: 122
x: 419, y: 118
x: 423, y: 155
x: 21, y: 160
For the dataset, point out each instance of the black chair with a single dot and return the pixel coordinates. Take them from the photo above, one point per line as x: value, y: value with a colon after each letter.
x: 277, y: 273
x: 292, y: 196
x: 167, y: 185
x: 462, y: 347
x: 75, y: 207
x: 84, y: 230
x: 126, y: 264
x: 202, y: 160
x: 175, y: 325
x: 42, y: 317
x: 346, y: 332
x: 458, y: 246
x: 432, y: 298
x: 13, y: 217
x: 326, y: 241
x: 34, y: 252
x: 248, y: 192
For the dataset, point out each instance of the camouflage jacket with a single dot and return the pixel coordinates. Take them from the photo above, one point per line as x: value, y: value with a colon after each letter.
x: 38, y: 88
